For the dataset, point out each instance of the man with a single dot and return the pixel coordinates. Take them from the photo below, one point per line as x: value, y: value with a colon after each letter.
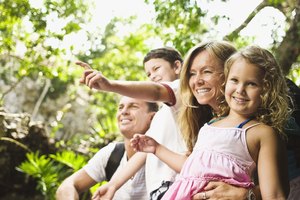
x: 133, y: 116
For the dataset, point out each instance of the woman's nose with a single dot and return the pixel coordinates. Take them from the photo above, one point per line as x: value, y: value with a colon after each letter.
x: 199, y: 79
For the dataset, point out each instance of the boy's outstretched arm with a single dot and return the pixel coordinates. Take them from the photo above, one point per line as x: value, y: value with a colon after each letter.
x: 145, y: 90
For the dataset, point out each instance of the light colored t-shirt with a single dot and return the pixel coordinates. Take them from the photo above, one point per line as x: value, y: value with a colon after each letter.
x: 134, y: 188
x: 165, y: 131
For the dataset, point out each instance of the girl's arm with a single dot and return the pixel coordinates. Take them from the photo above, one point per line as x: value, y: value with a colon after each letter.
x: 121, y: 176
x: 147, y: 144
x: 272, y: 164
x: 145, y: 90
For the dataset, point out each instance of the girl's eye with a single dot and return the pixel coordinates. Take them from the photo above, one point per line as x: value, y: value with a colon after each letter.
x: 252, y: 84
x: 234, y: 80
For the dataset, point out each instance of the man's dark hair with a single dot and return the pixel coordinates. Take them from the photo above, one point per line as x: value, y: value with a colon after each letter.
x: 152, y: 107
x: 167, y: 53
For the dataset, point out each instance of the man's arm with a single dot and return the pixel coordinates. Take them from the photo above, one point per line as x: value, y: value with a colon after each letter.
x: 75, y: 184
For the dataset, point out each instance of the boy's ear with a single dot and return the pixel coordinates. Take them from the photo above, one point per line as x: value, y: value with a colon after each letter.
x: 177, y: 67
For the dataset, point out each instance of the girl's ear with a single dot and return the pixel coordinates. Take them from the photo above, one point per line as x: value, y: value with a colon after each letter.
x: 177, y: 67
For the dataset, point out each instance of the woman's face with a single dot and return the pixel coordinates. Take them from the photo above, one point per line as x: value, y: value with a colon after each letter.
x: 206, y: 79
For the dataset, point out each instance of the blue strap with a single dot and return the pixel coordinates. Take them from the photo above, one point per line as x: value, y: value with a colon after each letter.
x: 238, y: 126
x: 214, y: 120
x: 244, y: 122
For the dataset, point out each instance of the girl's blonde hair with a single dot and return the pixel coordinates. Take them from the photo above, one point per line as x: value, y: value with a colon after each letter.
x: 192, y: 115
x: 274, y: 109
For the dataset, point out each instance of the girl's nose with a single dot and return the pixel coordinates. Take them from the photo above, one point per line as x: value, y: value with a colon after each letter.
x: 240, y: 89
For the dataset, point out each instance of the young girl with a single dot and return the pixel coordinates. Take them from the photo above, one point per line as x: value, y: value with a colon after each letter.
x: 247, y: 136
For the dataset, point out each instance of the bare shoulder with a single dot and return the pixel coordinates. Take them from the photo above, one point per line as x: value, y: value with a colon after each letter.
x: 263, y: 132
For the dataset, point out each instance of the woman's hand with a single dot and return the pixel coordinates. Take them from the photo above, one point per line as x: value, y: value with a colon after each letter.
x: 222, y: 191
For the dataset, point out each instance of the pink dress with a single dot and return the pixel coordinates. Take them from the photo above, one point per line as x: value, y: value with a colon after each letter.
x: 220, y: 154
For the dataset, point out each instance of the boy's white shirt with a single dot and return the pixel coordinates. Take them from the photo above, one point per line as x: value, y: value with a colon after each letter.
x: 164, y: 129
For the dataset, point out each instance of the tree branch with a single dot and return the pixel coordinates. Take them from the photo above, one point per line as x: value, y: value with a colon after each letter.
x: 234, y: 34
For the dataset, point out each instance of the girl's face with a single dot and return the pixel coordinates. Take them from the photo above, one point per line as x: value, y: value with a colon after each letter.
x: 243, y: 87
x: 206, y: 79
x: 158, y: 69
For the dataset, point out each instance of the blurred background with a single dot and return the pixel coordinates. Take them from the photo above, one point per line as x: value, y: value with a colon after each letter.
x: 50, y: 124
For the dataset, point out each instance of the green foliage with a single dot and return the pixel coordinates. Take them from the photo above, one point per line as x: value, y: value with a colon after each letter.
x: 178, y: 23
x: 184, y: 28
x: 49, y: 171
x: 294, y: 74
x: 70, y: 159
x: 44, y: 171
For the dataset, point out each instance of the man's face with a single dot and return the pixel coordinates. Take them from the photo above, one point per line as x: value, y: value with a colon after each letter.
x: 158, y: 69
x: 133, y: 116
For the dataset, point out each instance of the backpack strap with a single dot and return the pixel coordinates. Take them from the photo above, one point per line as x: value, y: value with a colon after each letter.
x: 114, y: 160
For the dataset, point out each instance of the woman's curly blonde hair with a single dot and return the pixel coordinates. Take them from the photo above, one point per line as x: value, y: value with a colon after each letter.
x: 274, y: 109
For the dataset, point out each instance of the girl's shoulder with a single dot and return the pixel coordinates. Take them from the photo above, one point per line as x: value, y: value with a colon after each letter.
x: 260, y: 129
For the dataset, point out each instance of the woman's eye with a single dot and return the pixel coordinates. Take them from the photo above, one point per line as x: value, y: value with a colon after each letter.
x: 192, y: 73
x: 207, y: 72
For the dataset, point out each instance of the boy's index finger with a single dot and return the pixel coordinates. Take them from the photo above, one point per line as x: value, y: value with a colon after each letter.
x: 84, y: 65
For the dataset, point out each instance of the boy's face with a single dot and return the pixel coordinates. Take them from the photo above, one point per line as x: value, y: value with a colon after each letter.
x: 158, y: 70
